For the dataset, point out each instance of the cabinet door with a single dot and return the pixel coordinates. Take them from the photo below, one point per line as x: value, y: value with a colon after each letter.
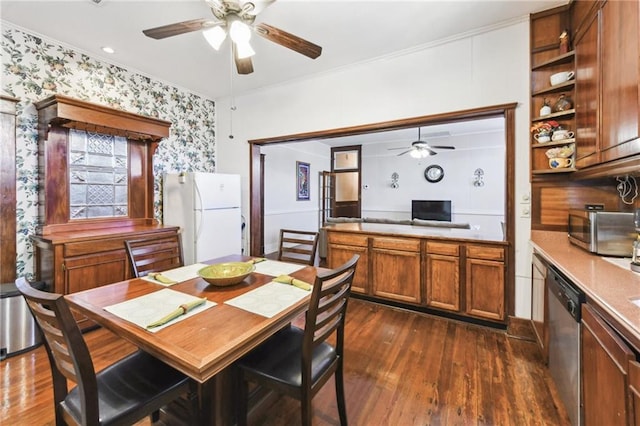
x: 620, y: 71
x: 90, y: 271
x: 485, y: 289
x: 587, y: 76
x: 634, y: 392
x: 396, y: 275
x: 538, y: 308
x: 339, y: 254
x: 443, y: 282
x: 605, y: 359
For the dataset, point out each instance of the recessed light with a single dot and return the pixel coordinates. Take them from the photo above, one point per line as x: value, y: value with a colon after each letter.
x: 108, y: 49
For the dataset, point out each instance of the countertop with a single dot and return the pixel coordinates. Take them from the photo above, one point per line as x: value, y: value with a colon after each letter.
x: 611, y: 287
x: 416, y: 231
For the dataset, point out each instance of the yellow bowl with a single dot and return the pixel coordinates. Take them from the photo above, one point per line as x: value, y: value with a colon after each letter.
x: 226, y: 274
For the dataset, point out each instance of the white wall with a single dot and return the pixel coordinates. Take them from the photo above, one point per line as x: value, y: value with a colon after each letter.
x: 487, y: 68
x: 482, y: 207
x: 281, y: 209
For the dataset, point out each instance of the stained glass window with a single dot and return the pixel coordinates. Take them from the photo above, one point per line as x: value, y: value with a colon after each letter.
x: 98, y: 175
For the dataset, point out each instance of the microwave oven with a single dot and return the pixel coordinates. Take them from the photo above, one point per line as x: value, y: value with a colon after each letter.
x: 601, y: 232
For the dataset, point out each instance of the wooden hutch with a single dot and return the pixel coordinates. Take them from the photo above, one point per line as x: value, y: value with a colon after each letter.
x: 75, y: 252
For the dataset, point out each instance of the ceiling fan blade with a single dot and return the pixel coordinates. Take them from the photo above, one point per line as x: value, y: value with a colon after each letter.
x: 394, y: 149
x: 442, y: 147
x: 288, y: 40
x: 179, y: 28
x: 431, y: 152
x: 403, y: 153
x: 244, y: 65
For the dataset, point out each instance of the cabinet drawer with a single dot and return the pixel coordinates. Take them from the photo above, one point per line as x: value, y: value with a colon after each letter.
x: 82, y: 248
x: 347, y: 239
x: 404, y: 244
x: 447, y: 249
x: 484, y: 252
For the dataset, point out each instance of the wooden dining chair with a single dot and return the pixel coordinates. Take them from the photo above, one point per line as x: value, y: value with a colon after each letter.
x: 298, y: 362
x: 298, y: 246
x: 121, y: 394
x: 154, y: 254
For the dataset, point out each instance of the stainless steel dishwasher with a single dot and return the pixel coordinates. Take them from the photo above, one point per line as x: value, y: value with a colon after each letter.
x: 563, y: 301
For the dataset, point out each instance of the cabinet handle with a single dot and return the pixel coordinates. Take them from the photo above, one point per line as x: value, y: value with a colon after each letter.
x: 64, y: 268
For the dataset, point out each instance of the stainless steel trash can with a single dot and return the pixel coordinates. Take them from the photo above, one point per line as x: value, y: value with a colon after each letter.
x: 18, y: 330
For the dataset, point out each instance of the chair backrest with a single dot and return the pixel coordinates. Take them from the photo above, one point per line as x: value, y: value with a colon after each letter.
x: 298, y: 246
x: 67, y: 351
x: 154, y: 254
x: 327, y: 309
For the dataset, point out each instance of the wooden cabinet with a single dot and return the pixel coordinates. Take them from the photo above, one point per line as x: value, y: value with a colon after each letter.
x: 485, y: 282
x: 605, y: 368
x: 620, y: 71
x: 341, y: 248
x: 72, y: 262
x: 634, y: 392
x: 538, y: 305
x: 459, y: 277
x: 587, y: 98
x: 606, y: 115
x: 443, y: 276
x: 395, y: 269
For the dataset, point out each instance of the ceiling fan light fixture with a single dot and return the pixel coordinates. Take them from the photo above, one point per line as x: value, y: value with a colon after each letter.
x: 244, y: 50
x: 239, y: 31
x: 215, y: 36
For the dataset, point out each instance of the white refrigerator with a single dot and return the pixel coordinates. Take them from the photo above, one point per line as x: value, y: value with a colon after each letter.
x: 206, y: 206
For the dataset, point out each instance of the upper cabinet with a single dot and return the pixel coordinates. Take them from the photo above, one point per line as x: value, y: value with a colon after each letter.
x: 604, y: 57
x: 619, y: 56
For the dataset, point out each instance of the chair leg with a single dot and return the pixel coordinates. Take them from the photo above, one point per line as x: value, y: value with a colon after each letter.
x: 242, y: 404
x: 342, y: 408
x: 306, y: 409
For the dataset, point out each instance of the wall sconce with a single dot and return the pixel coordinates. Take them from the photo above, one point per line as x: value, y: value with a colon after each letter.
x: 478, y: 177
x: 394, y: 180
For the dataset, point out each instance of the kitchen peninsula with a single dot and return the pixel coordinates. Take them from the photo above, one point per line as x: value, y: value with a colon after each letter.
x: 450, y: 271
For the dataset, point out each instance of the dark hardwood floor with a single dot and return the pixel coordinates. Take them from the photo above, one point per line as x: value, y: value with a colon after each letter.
x: 401, y: 368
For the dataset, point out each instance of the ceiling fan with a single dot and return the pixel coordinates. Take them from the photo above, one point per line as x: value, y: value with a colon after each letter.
x: 421, y: 149
x: 236, y: 18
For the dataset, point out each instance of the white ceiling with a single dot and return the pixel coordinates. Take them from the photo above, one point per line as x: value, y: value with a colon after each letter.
x: 349, y: 31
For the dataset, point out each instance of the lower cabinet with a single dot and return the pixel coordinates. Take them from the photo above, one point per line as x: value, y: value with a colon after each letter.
x: 443, y: 276
x: 395, y: 269
x: 71, y: 262
x: 341, y: 247
x: 456, y: 276
x: 538, y: 305
x: 485, y: 282
x: 606, y: 359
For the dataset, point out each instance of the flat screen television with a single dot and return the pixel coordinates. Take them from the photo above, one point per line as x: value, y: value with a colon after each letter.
x: 431, y: 210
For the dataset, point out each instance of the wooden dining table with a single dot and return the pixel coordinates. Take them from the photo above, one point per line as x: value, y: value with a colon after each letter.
x: 202, y: 346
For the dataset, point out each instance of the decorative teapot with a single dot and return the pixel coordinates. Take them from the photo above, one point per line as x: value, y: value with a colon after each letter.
x: 563, y: 103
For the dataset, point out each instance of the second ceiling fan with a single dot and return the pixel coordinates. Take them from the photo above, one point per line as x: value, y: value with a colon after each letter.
x: 236, y: 18
x: 421, y: 149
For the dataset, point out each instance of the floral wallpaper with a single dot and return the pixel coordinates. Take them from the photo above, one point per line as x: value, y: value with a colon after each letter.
x: 34, y: 68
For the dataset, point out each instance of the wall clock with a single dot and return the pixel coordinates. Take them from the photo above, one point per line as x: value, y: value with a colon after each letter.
x: 434, y: 173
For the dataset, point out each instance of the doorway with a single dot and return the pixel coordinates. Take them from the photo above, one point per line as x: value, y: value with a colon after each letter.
x: 505, y: 111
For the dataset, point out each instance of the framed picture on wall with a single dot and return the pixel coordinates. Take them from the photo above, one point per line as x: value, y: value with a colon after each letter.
x: 303, y: 176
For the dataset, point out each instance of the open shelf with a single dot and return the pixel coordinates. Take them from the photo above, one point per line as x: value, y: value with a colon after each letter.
x: 562, y: 59
x: 562, y: 87
x: 537, y: 145
x: 552, y: 171
x: 560, y: 114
